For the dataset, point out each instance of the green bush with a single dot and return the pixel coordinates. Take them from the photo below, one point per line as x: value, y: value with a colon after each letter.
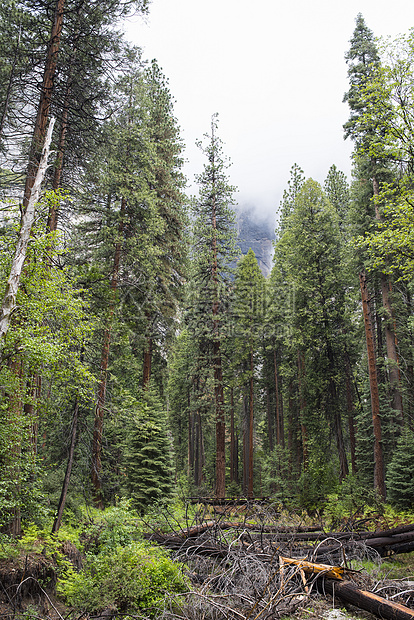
x: 129, y: 579
x: 351, y: 501
x: 116, y: 526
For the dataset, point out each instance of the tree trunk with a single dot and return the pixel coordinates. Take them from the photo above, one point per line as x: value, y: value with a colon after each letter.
x: 14, y: 528
x: 232, y: 439
x: 269, y: 420
x: 101, y: 397
x: 251, y: 402
x: 277, y: 399
x: 302, y: 407
x: 245, y: 443
x: 66, y: 480
x: 45, y: 100
x: 347, y: 592
x: 351, y: 418
x: 220, y: 423
x: 12, y: 286
x: 147, y: 363
x: 379, y: 473
x: 218, y: 372
x: 389, y: 328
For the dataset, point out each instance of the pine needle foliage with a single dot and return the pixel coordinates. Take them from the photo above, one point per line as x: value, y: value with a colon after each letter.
x: 148, y: 454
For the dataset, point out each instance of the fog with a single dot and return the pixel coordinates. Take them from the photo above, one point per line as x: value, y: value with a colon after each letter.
x: 274, y: 72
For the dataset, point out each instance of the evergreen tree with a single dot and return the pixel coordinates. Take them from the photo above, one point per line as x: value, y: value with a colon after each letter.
x: 214, y: 250
x: 367, y: 127
x: 148, y: 455
x: 337, y: 189
x: 309, y: 252
x: 400, y: 474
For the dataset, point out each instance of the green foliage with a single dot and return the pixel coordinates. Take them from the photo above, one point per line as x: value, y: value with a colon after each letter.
x: 315, y: 483
x: 351, y: 502
x: 148, y: 454
x: 400, y: 475
x: 390, y: 246
x: 116, y: 526
x: 126, y: 579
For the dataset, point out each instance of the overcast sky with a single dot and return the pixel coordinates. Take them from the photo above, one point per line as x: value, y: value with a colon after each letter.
x: 274, y: 71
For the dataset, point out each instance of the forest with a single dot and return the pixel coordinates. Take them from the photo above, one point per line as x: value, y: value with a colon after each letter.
x: 146, y: 365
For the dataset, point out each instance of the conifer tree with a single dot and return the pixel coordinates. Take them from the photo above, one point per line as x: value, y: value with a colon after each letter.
x: 368, y: 132
x: 148, y: 454
x: 248, y: 314
x: 400, y: 474
x: 214, y: 250
x: 310, y: 256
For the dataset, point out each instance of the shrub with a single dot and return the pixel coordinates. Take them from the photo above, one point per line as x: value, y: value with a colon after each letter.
x: 127, y: 580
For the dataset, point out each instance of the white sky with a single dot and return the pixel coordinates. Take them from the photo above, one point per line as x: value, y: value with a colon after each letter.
x: 274, y: 71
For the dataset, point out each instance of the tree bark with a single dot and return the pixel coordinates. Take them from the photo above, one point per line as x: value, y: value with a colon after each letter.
x: 147, y: 363
x: 68, y: 472
x: 277, y: 399
x: 12, y: 286
x: 302, y: 406
x: 269, y: 420
x: 232, y: 438
x: 45, y: 100
x: 220, y: 423
x: 379, y: 473
x: 101, y: 397
x: 389, y: 328
x: 250, y: 478
x: 381, y: 607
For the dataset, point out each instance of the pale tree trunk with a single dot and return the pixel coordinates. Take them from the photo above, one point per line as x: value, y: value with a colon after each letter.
x: 15, y: 410
x: 12, y: 287
x: 379, y: 474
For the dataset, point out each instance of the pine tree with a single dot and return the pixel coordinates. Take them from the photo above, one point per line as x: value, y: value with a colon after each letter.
x: 310, y: 256
x: 400, y: 474
x: 337, y: 189
x: 368, y: 131
x: 148, y: 454
x: 214, y: 250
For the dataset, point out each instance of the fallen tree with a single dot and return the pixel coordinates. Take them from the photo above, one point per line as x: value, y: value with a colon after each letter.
x: 368, y: 601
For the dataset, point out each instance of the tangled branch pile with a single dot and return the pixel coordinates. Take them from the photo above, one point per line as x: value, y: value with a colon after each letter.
x: 240, y: 570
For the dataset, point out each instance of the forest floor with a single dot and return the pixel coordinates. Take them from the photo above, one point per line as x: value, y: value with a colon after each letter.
x: 232, y: 574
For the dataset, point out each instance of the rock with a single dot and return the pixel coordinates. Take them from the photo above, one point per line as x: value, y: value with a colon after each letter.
x: 256, y: 233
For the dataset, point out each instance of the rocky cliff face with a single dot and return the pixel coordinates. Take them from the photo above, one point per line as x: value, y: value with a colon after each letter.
x: 257, y: 234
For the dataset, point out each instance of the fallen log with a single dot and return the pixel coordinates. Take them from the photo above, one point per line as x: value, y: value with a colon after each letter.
x: 310, y: 568
x: 196, y: 530
x: 368, y: 601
